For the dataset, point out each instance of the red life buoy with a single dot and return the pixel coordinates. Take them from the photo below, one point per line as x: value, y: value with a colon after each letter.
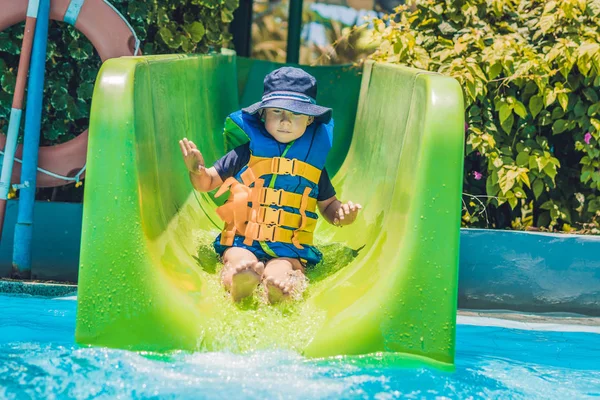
x: 111, y: 36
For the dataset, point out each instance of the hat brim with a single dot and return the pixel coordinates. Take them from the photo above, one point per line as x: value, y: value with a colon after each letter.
x: 321, y: 114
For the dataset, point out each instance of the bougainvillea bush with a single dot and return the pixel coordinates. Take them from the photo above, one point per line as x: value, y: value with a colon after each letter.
x: 530, y: 73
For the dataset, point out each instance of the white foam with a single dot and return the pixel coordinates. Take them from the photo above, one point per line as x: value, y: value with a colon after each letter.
x: 530, y: 326
x: 74, y: 298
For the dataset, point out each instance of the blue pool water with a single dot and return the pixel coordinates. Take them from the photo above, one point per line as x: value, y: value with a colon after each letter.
x: 39, y: 359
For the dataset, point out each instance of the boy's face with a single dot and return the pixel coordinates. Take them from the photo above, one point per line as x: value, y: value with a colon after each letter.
x: 285, y: 126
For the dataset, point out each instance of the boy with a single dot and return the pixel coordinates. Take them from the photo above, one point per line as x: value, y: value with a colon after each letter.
x: 276, y: 181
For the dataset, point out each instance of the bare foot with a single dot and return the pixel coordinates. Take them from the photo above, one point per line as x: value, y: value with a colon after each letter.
x: 246, y: 277
x: 291, y: 287
x: 276, y: 290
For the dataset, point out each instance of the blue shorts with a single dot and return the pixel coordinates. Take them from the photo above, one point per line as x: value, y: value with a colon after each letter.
x: 309, y: 256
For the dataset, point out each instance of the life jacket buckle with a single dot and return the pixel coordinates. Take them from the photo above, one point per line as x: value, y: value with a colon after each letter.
x: 270, y: 216
x: 284, y: 166
x: 266, y: 233
x: 271, y: 197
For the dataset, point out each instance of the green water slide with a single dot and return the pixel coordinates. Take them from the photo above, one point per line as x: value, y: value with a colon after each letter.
x: 148, y: 278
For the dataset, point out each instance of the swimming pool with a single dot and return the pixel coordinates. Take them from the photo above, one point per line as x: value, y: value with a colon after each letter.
x: 39, y: 359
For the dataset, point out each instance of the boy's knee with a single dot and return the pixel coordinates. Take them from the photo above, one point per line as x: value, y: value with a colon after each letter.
x: 235, y: 254
x: 285, y: 263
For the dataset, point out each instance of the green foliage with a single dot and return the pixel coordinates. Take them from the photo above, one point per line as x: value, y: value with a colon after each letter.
x: 530, y: 73
x: 269, y: 36
x: 168, y: 26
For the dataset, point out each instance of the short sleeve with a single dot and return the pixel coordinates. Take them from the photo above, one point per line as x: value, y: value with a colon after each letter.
x: 326, y: 190
x: 232, y: 162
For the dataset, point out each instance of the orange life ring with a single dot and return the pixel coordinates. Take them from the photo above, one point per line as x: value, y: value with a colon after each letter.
x: 112, y: 37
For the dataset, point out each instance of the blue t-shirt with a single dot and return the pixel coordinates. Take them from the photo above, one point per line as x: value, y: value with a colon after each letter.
x: 232, y: 162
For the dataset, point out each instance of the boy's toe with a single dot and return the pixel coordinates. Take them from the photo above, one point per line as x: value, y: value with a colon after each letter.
x: 259, y: 268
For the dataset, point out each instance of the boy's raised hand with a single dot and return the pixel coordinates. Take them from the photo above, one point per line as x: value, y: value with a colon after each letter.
x: 192, y: 156
x: 347, y: 213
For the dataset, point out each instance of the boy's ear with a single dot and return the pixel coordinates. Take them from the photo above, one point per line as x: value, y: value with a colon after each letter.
x: 310, y: 120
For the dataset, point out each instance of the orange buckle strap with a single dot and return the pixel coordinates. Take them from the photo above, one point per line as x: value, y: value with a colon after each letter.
x: 260, y: 166
x: 271, y: 197
x: 235, y: 211
x: 284, y: 166
x: 227, y: 236
x: 302, y: 210
x: 281, y: 198
x: 254, y: 211
x: 272, y: 233
x: 280, y: 217
x: 270, y: 216
x: 225, y: 186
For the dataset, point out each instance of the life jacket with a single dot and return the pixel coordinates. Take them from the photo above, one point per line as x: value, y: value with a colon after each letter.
x: 274, y: 197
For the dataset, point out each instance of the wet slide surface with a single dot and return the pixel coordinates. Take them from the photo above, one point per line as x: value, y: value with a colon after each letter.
x: 148, y: 276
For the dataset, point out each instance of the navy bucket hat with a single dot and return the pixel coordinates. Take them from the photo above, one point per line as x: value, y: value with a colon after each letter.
x: 294, y: 90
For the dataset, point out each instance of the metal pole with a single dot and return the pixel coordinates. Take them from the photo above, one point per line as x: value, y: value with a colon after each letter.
x: 33, y: 119
x: 294, y: 27
x: 241, y: 28
x: 17, y: 108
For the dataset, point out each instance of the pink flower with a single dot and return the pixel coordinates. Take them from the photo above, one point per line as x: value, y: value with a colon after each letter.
x: 587, y: 138
x: 477, y: 153
x: 466, y: 126
x: 477, y: 175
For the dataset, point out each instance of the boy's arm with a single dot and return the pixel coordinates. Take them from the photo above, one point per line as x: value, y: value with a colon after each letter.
x: 328, y: 208
x: 205, y: 179
x: 337, y: 213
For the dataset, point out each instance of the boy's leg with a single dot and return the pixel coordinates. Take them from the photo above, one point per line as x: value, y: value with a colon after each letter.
x: 281, y: 277
x: 241, y: 272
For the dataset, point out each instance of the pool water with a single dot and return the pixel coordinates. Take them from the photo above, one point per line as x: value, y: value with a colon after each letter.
x: 39, y: 359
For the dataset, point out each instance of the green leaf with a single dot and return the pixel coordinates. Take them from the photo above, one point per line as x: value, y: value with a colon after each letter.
x: 59, y: 99
x: 558, y: 113
x: 549, y: 98
x: 595, y: 123
x: 559, y: 126
x: 446, y: 29
x: 513, y: 202
x: 494, y: 71
x: 519, y: 193
x: 538, y: 188
x: 491, y: 188
x: 593, y: 109
x: 522, y: 159
x: 508, y: 123
x: 166, y: 35
x: 504, y: 112
x: 85, y: 90
x: 80, y: 50
x: 563, y: 99
x: 545, y: 118
x: 8, y: 81
x: 550, y: 170
x: 535, y: 105
x: 58, y: 128
x: 520, y: 109
x: 8, y: 45
x: 197, y: 31
x: 590, y: 94
x: 541, y: 162
x: 580, y: 109
x: 544, y: 219
x: 525, y: 178
x: 546, y: 23
x: 226, y: 16
x: 507, y: 181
